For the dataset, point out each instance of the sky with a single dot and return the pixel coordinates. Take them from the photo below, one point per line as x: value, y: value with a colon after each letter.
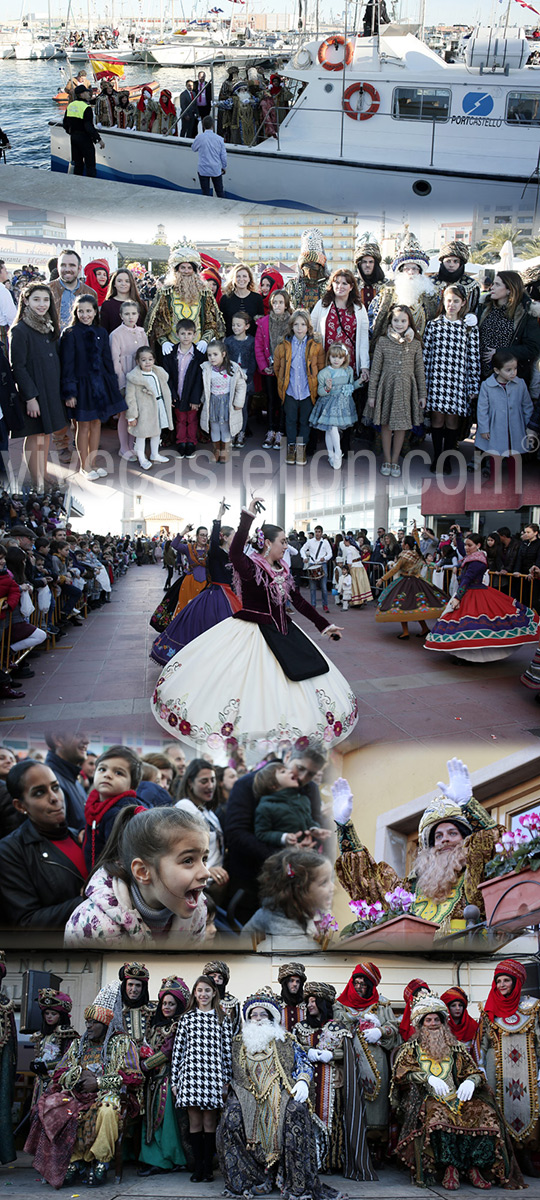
x: 437, y: 11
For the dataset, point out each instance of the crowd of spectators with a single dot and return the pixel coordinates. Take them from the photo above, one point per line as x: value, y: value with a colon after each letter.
x: 349, y: 353
x: 50, y: 578
x: 61, y: 809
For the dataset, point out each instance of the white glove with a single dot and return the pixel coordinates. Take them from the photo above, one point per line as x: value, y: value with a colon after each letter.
x: 202, y: 346
x: 301, y: 1091
x: 313, y: 1055
x: 438, y: 1085
x: 343, y: 799
x: 325, y: 1056
x: 166, y: 347
x: 459, y: 787
x: 372, y: 1035
x: 465, y: 1089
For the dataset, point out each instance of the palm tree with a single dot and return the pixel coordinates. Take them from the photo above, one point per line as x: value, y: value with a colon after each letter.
x: 532, y: 248
x: 495, y: 241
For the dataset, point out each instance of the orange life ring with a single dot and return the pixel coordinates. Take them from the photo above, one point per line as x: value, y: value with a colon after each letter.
x: 369, y: 112
x: 337, y: 40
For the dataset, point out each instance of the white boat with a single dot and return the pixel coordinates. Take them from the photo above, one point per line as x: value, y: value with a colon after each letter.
x: 24, y: 45
x: 196, y: 48
x: 380, y: 120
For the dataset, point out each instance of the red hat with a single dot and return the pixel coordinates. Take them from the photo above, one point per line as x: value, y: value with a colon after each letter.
x: 349, y: 995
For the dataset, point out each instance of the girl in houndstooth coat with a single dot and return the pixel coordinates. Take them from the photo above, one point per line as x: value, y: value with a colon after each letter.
x: 452, y: 366
x: 201, y: 1070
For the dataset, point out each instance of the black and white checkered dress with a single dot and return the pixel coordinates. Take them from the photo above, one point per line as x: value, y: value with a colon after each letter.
x: 452, y: 365
x: 201, y: 1060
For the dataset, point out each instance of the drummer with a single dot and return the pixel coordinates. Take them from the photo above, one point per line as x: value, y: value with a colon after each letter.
x: 316, y: 553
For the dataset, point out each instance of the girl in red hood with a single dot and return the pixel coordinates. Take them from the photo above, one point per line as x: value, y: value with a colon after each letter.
x: 270, y: 281
x: 97, y: 275
x: 213, y: 278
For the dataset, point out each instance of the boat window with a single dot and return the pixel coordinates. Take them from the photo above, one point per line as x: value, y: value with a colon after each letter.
x: 523, y: 108
x: 421, y: 104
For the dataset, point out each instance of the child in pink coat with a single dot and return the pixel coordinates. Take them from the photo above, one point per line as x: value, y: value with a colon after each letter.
x: 124, y: 343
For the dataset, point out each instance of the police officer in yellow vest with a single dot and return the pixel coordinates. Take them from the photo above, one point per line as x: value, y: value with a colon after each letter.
x: 79, y: 123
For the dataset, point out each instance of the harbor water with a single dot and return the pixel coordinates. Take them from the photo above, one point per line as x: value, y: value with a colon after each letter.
x: 26, y: 103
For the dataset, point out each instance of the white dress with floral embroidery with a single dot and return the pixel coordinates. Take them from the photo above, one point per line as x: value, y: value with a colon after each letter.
x: 228, y: 685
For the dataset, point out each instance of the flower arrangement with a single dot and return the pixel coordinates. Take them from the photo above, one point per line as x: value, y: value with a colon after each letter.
x: 398, y: 903
x: 326, y: 926
x: 518, y: 850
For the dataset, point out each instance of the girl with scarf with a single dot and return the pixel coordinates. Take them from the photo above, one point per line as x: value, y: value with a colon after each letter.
x: 509, y: 1036
x: 273, y: 680
x: 161, y: 1143
x: 97, y: 276
x: 479, y: 623
x: 117, y: 775
x: 462, y: 1025
x: 271, y: 330
x: 35, y: 363
x: 270, y: 281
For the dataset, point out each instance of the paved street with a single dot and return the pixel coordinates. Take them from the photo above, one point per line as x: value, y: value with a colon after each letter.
x: 100, y: 678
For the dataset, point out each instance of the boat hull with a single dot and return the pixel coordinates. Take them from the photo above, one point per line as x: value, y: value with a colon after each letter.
x: 270, y: 176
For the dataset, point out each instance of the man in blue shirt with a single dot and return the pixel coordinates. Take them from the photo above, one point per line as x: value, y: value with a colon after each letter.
x: 212, y: 158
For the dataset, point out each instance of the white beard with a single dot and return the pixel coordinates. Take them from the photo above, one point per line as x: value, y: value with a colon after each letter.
x: 409, y: 288
x: 258, y: 1037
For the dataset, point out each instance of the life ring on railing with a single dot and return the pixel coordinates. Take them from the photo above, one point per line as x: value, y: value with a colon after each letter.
x: 356, y: 114
x: 303, y: 59
x: 337, y: 40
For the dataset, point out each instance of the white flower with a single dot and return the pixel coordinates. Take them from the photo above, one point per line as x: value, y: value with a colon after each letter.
x: 471, y: 320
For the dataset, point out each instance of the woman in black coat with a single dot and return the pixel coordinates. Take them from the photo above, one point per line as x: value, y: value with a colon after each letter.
x: 33, y: 341
x: 509, y: 321
x: 89, y: 385
x: 42, y: 867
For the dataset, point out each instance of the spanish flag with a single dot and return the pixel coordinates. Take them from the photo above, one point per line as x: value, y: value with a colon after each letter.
x: 106, y: 68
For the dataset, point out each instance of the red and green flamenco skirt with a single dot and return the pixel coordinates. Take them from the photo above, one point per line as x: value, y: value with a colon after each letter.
x: 487, y: 625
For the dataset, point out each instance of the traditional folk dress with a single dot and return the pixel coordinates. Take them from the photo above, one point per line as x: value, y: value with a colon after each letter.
x: 215, y: 603
x: 263, y: 1128
x: 201, y: 1059
x: 487, y: 624
x: 8, y: 1066
x: 49, y: 1050
x: 161, y: 1144
x: 67, y: 1126
x: 452, y: 365
x: 340, y: 1117
x: 372, y: 1059
x: 272, y: 683
x: 365, y: 879
x: 441, y: 1131
x: 360, y: 587
x: 410, y: 597
x: 194, y: 580
x: 509, y: 1051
